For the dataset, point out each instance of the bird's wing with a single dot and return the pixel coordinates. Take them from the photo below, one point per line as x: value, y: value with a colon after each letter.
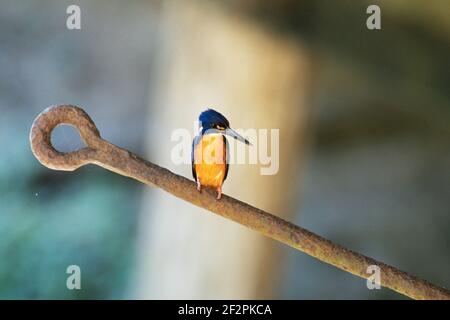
x: 227, y: 156
x: 194, y: 143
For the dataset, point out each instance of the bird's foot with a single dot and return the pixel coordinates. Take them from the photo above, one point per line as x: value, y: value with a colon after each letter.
x: 199, y: 186
x: 219, y: 193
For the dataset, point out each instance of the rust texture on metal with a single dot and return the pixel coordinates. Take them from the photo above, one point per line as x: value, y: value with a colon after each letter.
x: 121, y: 161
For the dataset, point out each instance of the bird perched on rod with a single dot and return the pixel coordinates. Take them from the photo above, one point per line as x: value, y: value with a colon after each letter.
x: 210, y: 152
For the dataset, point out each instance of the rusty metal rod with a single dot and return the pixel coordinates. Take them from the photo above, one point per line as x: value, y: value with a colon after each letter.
x: 121, y: 161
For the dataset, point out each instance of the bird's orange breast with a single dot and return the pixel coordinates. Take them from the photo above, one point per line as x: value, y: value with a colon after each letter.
x: 210, y: 160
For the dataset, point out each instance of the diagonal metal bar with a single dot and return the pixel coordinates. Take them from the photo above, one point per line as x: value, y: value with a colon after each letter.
x: 124, y: 162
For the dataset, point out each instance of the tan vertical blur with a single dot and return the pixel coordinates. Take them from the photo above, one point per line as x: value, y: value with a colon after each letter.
x: 214, y: 58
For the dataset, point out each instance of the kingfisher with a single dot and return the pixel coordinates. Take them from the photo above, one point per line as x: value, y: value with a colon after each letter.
x: 210, y: 151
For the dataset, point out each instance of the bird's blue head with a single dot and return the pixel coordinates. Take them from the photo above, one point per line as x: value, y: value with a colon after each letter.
x: 213, y: 121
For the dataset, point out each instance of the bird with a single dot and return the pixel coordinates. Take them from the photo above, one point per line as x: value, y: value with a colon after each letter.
x: 210, y: 150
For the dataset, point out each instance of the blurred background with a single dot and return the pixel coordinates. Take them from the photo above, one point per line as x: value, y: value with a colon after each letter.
x: 364, y: 123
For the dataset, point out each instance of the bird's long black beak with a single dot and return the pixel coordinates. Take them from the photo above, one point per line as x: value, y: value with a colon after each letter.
x: 230, y: 132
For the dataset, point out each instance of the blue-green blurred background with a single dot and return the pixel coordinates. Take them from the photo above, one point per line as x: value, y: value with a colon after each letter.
x: 378, y: 171
x: 50, y: 220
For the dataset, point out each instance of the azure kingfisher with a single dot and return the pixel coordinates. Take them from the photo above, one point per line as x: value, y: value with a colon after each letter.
x: 210, y: 151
